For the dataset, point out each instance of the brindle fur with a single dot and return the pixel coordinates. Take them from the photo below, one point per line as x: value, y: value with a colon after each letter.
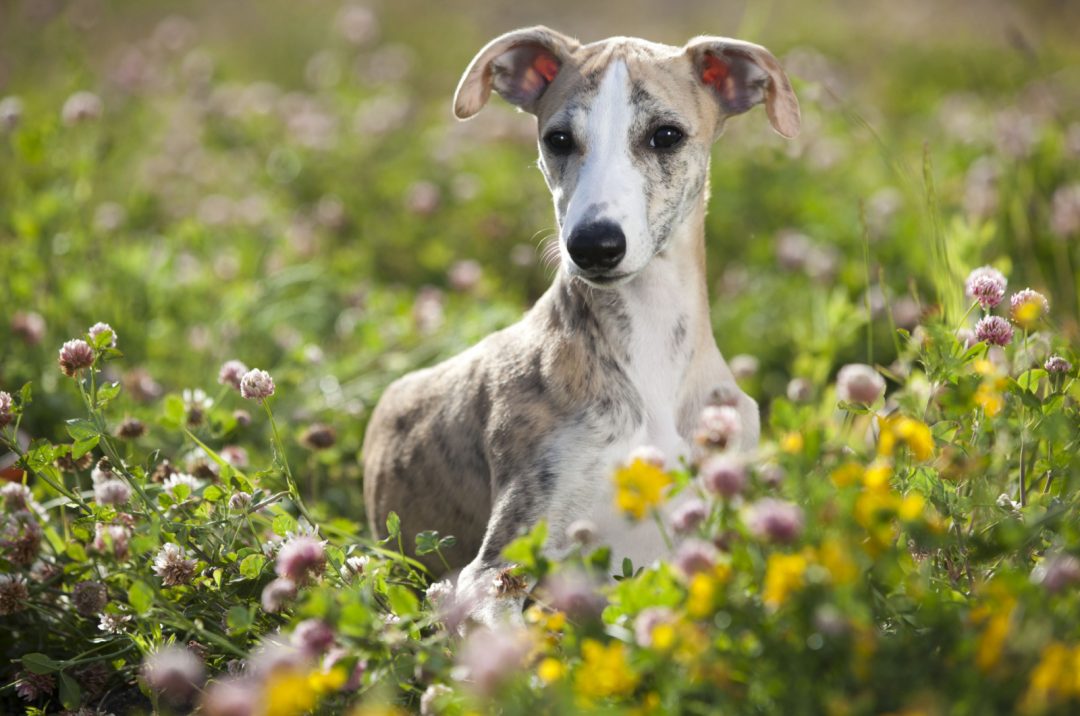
x: 524, y: 425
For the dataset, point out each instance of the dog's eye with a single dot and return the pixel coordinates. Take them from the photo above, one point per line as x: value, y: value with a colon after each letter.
x: 665, y: 138
x: 560, y: 143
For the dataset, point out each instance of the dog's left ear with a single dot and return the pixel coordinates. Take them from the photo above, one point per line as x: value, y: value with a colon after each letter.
x: 741, y: 75
x: 518, y: 65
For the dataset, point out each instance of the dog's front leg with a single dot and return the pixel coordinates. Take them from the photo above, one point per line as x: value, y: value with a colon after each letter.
x: 486, y: 592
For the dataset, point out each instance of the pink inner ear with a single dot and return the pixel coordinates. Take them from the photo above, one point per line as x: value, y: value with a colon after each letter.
x: 715, y: 71
x: 546, y: 65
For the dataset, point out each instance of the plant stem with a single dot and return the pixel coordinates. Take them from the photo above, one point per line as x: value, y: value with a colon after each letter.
x: 279, y: 447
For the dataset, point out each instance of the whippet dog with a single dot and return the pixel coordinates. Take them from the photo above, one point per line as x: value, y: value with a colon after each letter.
x: 530, y: 423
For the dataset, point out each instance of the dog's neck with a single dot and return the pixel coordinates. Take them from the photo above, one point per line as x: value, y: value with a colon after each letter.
x: 663, y: 312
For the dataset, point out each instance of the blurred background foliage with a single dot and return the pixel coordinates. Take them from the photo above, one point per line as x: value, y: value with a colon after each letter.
x: 282, y: 182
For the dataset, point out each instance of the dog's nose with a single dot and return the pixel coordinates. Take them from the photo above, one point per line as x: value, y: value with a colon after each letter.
x: 598, y: 246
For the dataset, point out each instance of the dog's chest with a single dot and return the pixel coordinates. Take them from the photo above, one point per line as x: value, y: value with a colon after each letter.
x: 658, y: 354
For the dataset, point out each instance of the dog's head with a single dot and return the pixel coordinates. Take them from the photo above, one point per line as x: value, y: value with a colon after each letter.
x: 625, y: 129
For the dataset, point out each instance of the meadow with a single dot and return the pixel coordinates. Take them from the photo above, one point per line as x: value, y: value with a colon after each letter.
x: 226, y: 228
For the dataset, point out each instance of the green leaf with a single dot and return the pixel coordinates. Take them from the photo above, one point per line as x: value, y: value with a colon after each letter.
x: 427, y: 542
x: 402, y: 601
x: 140, y: 596
x: 70, y: 693
x: 173, y: 417
x: 393, y: 525
x: 76, y: 552
x: 1029, y: 380
x: 101, y: 341
x: 25, y: 393
x: 107, y: 393
x: 81, y: 429
x: 627, y: 567
x: 213, y: 493
x: 239, y: 619
x: 81, y: 447
x: 38, y: 663
x: 283, y: 524
x: 251, y: 566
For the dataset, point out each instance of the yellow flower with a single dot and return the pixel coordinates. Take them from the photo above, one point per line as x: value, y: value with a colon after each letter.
x: 837, y: 562
x: 911, y: 507
x: 1055, y: 679
x: 913, y: 433
x: 289, y: 693
x: 604, y: 671
x: 783, y: 575
x: 639, y: 486
x: 550, y: 670
x: 792, y: 443
x: 324, y: 682
x: 877, y: 476
x: 700, y: 595
x: 663, y: 636
x: 847, y: 474
x: 992, y: 640
x: 985, y: 367
x: 988, y: 397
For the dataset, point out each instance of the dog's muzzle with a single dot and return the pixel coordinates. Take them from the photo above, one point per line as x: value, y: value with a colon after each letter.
x: 597, y: 248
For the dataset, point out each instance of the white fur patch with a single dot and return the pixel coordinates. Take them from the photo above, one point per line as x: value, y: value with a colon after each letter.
x: 609, y: 181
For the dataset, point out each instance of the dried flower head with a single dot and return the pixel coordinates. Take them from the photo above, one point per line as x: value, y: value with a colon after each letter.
x: 301, y: 559
x: 318, y: 437
x: 1057, y: 364
x: 20, y: 537
x: 173, y: 565
x: 112, y: 492
x: 507, y: 584
x: 196, y: 405
x: 174, y: 672
x: 74, y: 356
x: 743, y: 366
x: 354, y: 566
x: 11, y: 112
x: 1056, y: 572
x: 67, y: 464
x: 32, y: 687
x: 256, y: 385
x: 986, y: 285
x: 465, y: 275
x: 440, y: 594
x: 81, y: 107
x: 231, y: 373
x: 131, y: 429
x: 689, y: 515
x: 112, y: 537
x: 800, y: 390
x: 16, y: 496
x: 994, y: 330
x: 582, y: 531
x: 28, y: 325
x: 235, y: 455
x: 239, y: 501
x: 113, y: 623
x: 277, y: 594
x: 774, y: 520
x: 859, y: 383
x: 101, y: 328
x: 719, y: 426
x: 13, y: 593
x: 89, y: 598
x: 1027, y: 307
x: 693, y: 556
x: 313, y: 637
x: 6, y: 404
x: 723, y: 475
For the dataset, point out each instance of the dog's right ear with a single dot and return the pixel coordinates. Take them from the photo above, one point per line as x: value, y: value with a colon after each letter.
x: 518, y: 65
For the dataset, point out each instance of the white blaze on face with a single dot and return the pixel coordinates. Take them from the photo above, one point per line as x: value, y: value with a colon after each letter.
x: 609, y: 186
